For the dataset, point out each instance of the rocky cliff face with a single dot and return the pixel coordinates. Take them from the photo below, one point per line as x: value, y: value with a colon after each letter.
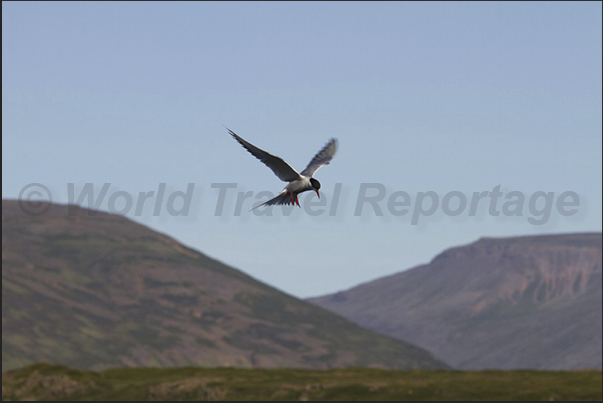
x: 98, y: 291
x: 525, y: 302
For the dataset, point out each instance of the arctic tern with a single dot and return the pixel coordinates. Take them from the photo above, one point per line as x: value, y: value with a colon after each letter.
x: 298, y: 182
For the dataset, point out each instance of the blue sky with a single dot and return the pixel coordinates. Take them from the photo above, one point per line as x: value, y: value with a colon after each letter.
x: 422, y: 96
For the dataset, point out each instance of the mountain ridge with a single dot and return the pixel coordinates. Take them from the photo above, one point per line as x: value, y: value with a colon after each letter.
x: 519, y: 302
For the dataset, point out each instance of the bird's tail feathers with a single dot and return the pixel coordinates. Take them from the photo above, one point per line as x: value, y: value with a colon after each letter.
x: 282, y: 198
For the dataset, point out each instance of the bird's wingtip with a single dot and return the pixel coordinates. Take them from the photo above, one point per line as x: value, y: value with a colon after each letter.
x: 233, y: 134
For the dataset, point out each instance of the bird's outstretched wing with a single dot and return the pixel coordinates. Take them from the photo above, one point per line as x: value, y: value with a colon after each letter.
x: 323, y: 157
x: 280, y: 168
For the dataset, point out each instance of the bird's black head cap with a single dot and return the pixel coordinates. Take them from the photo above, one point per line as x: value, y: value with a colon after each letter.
x: 315, y: 183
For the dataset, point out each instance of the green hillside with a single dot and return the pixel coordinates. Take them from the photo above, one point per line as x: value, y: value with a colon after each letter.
x: 96, y: 291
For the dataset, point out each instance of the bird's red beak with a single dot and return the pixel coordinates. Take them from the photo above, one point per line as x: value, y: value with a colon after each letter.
x: 318, y: 194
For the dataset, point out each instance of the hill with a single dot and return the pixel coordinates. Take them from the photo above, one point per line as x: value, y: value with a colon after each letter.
x: 522, y: 302
x: 97, y: 290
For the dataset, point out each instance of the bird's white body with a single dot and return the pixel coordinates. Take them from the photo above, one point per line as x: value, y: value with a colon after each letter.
x: 299, y: 185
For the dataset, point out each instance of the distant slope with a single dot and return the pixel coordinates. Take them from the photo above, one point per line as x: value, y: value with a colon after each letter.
x: 524, y: 302
x: 102, y: 291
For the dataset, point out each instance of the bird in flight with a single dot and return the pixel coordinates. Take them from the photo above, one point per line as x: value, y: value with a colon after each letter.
x: 298, y: 182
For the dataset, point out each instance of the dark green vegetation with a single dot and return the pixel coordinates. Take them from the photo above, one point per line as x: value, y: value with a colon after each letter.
x: 47, y: 382
x: 522, y: 302
x: 100, y: 291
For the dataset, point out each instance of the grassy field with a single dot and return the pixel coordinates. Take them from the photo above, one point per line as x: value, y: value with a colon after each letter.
x: 50, y: 382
